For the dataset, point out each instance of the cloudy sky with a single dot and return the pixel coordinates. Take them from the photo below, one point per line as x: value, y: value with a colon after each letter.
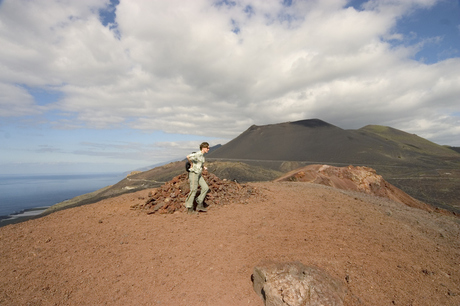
x: 111, y: 86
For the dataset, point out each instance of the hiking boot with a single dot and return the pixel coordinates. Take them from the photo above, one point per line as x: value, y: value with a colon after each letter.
x: 201, y: 208
x: 190, y: 211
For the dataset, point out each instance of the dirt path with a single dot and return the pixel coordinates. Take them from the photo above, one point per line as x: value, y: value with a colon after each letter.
x: 107, y: 254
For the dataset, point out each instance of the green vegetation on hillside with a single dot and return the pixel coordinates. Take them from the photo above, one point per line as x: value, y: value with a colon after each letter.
x: 409, y: 142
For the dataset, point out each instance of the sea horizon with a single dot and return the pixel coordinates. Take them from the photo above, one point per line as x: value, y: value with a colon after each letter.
x: 26, y: 195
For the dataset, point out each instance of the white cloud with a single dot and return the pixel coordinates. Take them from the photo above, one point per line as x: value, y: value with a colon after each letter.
x: 16, y: 101
x: 194, y: 67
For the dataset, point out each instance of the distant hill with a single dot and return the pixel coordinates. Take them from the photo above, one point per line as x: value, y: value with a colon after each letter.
x: 456, y: 149
x: 315, y: 141
x: 409, y: 144
x: 425, y: 170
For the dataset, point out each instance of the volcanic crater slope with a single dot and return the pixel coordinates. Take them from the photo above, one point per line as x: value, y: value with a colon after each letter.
x: 316, y: 141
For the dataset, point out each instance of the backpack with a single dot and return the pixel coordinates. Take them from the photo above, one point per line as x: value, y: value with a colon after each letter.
x: 187, y: 164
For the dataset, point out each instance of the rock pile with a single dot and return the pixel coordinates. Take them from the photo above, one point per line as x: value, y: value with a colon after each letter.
x: 171, y: 196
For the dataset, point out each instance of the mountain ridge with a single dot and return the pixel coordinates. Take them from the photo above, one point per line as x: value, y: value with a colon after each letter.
x: 318, y: 141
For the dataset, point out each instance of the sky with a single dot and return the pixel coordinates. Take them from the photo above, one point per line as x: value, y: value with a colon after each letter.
x: 111, y: 86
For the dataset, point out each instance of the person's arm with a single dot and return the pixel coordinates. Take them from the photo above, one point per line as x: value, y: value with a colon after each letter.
x: 191, y: 158
x: 203, y: 167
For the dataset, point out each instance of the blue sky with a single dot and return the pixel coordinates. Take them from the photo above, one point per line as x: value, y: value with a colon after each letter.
x: 112, y: 86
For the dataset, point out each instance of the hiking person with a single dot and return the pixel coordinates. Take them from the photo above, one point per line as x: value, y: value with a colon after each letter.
x: 195, y: 178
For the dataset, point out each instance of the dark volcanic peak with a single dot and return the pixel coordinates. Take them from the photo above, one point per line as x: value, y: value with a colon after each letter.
x: 316, y: 141
x: 307, y: 140
x: 313, y: 123
x: 310, y: 123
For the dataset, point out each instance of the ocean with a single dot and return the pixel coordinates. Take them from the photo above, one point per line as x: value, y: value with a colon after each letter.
x: 29, y: 195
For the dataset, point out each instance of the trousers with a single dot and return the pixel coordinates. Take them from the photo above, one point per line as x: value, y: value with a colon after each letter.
x: 195, y: 180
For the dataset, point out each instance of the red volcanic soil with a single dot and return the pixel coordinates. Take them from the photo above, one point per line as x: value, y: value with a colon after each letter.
x: 362, y: 179
x: 384, y: 252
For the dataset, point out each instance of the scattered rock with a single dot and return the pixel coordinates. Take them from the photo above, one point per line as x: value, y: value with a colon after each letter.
x: 294, y: 284
x: 170, y: 197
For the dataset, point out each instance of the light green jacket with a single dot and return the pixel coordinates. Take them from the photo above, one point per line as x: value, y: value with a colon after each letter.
x: 197, y: 160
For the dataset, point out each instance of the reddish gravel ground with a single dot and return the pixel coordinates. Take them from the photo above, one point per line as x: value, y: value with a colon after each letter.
x: 108, y: 254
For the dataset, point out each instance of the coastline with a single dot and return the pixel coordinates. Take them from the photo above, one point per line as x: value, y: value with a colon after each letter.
x: 38, y: 212
x: 24, y: 215
x: 25, y: 197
